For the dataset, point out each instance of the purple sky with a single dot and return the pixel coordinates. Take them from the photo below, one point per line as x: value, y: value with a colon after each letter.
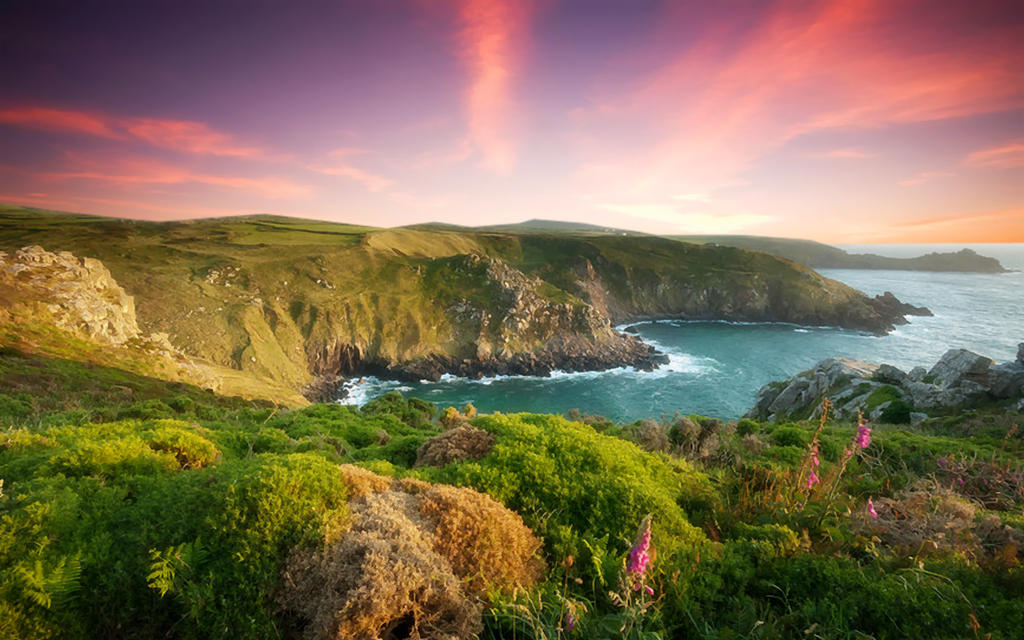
x: 859, y: 121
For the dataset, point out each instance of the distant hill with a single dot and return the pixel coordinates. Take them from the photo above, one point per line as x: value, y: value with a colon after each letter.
x: 822, y: 256
x: 558, y: 227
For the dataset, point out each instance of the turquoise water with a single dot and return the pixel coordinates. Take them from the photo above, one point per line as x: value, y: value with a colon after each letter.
x: 716, y: 368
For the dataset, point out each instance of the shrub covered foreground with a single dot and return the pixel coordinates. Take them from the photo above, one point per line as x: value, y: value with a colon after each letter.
x: 178, y: 514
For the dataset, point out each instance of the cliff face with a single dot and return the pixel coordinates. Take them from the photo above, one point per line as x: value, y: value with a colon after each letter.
x: 494, y: 320
x: 68, y: 306
x: 78, y: 294
x: 300, y: 303
x: 724, y: 283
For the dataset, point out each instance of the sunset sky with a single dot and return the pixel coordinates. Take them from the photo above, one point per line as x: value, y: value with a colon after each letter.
x: 851, y: 121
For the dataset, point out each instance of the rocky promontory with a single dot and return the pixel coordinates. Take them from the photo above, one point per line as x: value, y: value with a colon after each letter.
x: 346, y: 301
x: 961, y: 379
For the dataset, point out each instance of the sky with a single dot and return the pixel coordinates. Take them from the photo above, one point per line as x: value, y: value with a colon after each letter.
x: 850, y: 121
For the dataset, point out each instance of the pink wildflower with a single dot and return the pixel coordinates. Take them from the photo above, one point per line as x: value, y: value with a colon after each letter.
x: 639, y: 556
x: 871, y: 509
x: 863, y: 438
x: 649, y: 590
x: 812, y: 479
x: 570, y: 621
x: 814, y: 456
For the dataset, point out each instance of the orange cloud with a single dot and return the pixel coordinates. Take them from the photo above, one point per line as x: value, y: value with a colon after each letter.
x: 1009, y: 155
x: 711, y: 111
x: 49, y: 119
x: 178, y: 135
x: 490, y: 41
x: 141, y: 171
x: 187, y: 136
x: 343, y: 168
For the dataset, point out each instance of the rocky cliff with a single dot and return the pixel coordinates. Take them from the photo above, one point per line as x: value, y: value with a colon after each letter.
x: 960, y: 380
x: 65, y: 305
x: 303, y: 303
x: 78, y: 294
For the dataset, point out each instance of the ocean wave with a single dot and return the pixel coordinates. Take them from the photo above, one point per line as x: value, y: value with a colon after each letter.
x: 359, y: 391
x: 681, y: 322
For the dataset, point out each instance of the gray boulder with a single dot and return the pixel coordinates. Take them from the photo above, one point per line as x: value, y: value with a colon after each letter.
x: 1006, y: 380
x: 889, y: 374
x: 959, y: 365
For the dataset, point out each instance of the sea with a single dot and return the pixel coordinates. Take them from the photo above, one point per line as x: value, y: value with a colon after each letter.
x: 716, y: 368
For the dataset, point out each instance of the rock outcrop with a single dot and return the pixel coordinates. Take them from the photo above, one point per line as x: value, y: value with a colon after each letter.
x: 42, y: 290
x: 960, y: 379
x: 79, y: 293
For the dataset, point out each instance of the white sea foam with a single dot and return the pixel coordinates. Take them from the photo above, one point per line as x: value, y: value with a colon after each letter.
x: 359, y: 391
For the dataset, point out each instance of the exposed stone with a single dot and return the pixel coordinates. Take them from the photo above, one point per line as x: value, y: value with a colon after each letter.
x: 917, y: 374
x: 891, y: 375
x: 892, y: 306
x: 1006, y: 380
x: 79, y: 293
x: 957, y: 365
x: 960, y: 379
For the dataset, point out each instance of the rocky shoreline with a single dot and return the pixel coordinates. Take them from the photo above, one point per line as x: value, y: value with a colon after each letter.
x: 960, y: 380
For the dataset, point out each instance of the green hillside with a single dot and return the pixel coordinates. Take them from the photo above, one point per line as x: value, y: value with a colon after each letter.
x: 297, y: 303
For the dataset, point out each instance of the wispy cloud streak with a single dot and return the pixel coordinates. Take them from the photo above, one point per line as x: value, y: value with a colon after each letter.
x: 490, y: 45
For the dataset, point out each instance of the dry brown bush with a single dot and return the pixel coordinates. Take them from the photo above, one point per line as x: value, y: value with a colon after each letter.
x: 927, y: 519
x: 650, y: 435
x: 456, y: 445
x: 488, y: 546
x: 415, y: 563
x: 361, y: 482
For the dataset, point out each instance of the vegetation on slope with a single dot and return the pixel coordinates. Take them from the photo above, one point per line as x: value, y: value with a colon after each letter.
x: 296, y: 303
x: 174, y: 512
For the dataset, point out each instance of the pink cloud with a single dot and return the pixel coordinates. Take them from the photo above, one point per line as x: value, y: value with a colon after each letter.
x: 185, y: 136
x: 340, y: 166
x: 708, y: 113
x: 490, y: 42
x: 127, y: 171
x: 1008, y: 155
x: 50, y: 119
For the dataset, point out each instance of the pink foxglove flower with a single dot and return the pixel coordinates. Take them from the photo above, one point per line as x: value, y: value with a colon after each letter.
x: 570, y: 621
x: 812, y: 479
x: 639, y: 556
x: 871, y: 509
x: 863, y: 438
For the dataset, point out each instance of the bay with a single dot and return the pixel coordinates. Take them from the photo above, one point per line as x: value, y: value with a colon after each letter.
x: 716, y: 368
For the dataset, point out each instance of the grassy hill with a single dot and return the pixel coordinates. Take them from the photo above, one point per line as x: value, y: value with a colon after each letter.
x: 822, y: 256
x: 296, y: 302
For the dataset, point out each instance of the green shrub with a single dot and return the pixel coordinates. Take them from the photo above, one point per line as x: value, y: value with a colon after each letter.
x: 746, y: 426
x: 896, y: 412
x: 584, y: 493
